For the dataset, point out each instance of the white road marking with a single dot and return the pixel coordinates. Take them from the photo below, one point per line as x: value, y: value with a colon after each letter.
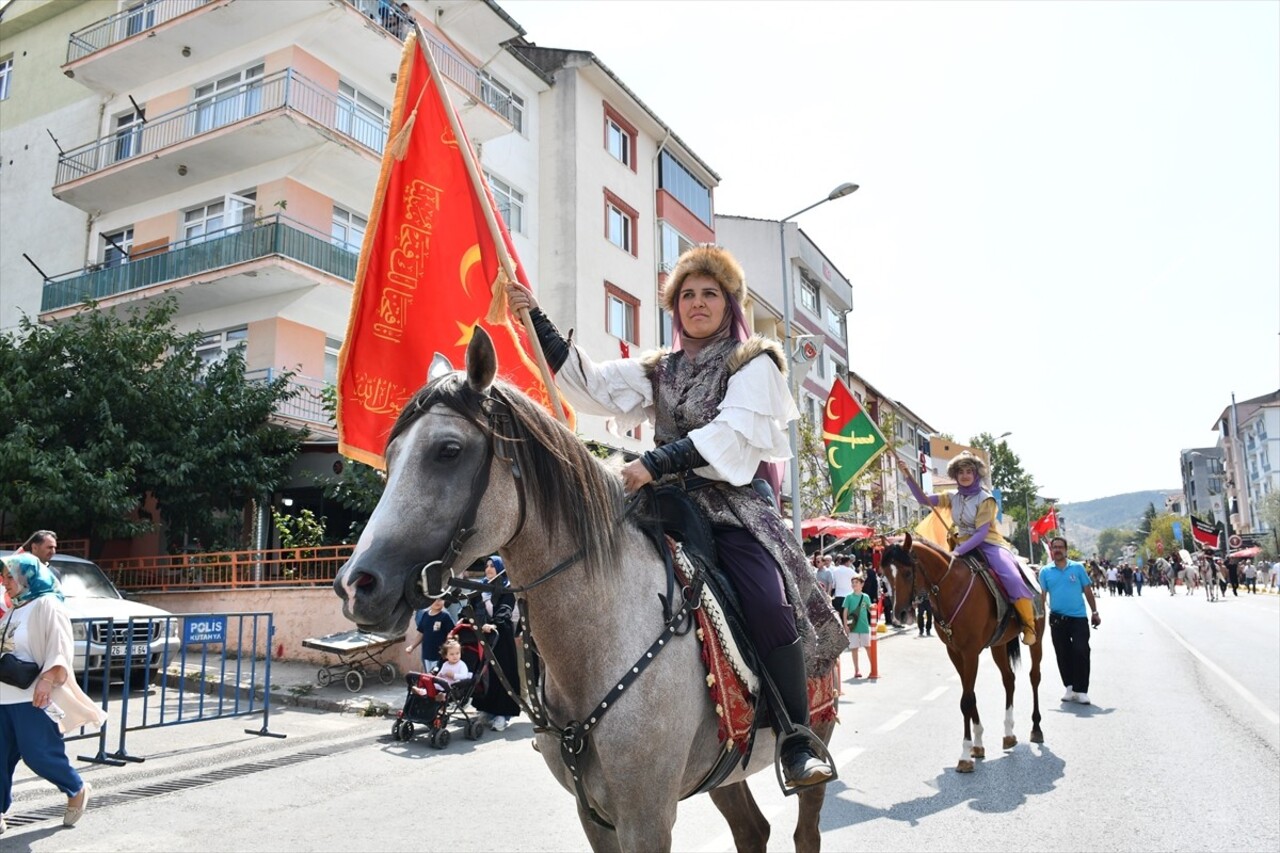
x: 1267, y: 714
x: 935, y: 693
x: 896, y: 721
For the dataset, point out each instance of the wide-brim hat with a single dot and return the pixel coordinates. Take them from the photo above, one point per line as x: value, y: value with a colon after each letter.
x: 710, y: 261
x: 967, y: 458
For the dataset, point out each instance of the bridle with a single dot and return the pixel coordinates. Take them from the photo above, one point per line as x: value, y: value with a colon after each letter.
x: 503, y: 441
x: 933, y: 589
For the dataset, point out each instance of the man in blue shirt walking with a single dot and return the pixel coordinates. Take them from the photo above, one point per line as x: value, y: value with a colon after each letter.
x: 1066, y: 584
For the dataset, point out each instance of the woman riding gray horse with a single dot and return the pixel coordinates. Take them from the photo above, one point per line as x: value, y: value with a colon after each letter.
x: 720, y: 404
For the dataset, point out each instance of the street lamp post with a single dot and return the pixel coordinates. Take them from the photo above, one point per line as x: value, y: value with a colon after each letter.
x: 787, y: 315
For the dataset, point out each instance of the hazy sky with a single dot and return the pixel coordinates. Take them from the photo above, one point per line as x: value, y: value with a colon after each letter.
x: 1068, y: 225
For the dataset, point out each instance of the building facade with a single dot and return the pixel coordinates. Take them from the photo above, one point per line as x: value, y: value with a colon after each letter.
x: 1202, y: 482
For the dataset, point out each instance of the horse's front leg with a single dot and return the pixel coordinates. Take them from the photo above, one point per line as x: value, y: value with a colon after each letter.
x: 1000, y: 654
x: 967, y: 667
x: 748, y: 824
x: 807, y: 836
x: 1037, y: 652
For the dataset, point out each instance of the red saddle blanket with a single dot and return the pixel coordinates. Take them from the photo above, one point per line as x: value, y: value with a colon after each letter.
x: 734, y: 704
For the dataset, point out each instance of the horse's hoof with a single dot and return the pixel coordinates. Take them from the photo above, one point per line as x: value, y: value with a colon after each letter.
x: 1010, y: 742
x: 979, y: 752
x: 964, y: 767
x: 1037, y: 737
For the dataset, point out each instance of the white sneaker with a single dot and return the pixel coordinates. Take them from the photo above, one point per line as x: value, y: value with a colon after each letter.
x: 1082, y: 698
x: 499, y: 723
x: 3, y: 826
x: 1069, y: 696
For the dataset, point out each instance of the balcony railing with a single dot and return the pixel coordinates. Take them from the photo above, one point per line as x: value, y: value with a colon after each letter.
x: 281, y: 90
x: 127, y: 24
x: 265, y: 237
x: 307, y: 403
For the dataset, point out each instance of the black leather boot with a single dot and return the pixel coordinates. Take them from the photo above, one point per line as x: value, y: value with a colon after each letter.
x: 801, y: 765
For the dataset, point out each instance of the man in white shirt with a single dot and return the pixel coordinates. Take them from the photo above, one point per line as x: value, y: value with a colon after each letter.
x: 842, y: 574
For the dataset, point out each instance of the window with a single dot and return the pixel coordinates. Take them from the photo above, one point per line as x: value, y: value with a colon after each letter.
x: 362, y: 118
x: 619, y: 137
x: 621, y: 309
x: 139, y: 17
x: 666, y: 337
x: 835, y: 322
x: 230, y: 99
x: 331, y: 349
x: 128, y: 135
x: 504, y: 102
x: 620, y: 221
x: 217, y: 218
x: 809, y: 292
x: 348, y: 229
x: 510, y: 202
x: 676, y: 179
x: 674, y: 244
x: 6, y: 75
x: 116, y: 247
x: 215, y: 345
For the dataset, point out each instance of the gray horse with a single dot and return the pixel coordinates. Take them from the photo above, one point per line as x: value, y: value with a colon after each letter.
x: 475, y: 467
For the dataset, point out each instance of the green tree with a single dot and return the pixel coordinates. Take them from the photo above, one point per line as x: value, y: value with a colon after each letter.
x: 358, y: 487
x: 1160, y: 541
x: 104, y: 410
x: 1147, y: 523
x: 1112, y: 542
x: 1269, y: 514
x: 1017, y: 487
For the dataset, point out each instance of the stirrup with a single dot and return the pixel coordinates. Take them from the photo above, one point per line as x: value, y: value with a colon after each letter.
x: 815, y: 747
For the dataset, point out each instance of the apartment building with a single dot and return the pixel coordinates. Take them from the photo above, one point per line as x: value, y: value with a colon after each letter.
x: 1249, y: 444
x: 1202, y: 481
x: 623, y: 196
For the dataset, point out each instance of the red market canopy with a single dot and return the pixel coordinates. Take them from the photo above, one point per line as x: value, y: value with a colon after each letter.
x: 825, y: 526
x: 1245, y: 553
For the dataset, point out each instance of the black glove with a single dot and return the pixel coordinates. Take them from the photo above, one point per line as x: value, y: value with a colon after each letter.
x: 672, y: 458
x: 554, y: 346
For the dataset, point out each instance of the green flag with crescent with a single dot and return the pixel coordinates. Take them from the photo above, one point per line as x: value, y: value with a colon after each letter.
x: 853, y: 442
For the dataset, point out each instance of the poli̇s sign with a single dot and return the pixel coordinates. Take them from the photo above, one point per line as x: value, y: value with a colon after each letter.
x: 207, y: 628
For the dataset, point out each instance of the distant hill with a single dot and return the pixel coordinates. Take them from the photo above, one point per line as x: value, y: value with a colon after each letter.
x: 1085, y: 520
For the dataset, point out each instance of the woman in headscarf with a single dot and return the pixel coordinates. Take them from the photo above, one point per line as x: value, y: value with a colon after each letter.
x: 720, y: 406
x: 973, y: 516
x: 33, y: 719
x: 496, y: 616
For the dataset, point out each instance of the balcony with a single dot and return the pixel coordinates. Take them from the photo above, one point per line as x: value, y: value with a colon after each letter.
x: 161, y: 39
x: 259, y: 121
x: 269, y: 256
x: 306, y: 407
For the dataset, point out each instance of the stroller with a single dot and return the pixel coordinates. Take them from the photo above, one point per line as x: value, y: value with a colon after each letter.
x: 443, y: 701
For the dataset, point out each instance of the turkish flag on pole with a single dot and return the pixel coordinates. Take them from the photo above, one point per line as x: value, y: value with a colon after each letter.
x: 1044, y: 524
x: 429, y: 270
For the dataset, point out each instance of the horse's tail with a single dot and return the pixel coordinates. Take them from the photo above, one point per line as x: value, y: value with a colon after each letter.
x: 1015, y: 653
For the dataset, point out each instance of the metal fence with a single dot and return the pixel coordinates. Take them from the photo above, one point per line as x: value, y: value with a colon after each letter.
x: 172, y: 670
x: 274, y: 235
x: 272, y: 567
x: 284, y: 89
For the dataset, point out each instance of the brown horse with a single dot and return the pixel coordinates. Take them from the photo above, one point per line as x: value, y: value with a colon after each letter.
x: 964, y: 611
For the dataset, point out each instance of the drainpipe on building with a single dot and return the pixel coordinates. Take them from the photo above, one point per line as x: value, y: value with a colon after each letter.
x: 657, y: 226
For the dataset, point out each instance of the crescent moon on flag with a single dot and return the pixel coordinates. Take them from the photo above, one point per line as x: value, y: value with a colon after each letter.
x: 830, y: 415
x: 831, y: 457
x: 470, y: 258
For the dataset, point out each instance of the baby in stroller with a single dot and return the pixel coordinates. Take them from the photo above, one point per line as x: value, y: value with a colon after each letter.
x: 434, y: 697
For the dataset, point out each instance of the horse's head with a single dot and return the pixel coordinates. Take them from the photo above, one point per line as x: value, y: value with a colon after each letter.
x: 900, y: 567
x: 440, y: 482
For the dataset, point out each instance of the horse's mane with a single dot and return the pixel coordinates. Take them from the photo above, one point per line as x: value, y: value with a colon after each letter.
x: 580, y: 498
x: 905, y: 555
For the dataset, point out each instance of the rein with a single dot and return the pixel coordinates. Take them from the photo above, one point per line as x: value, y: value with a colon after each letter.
x: 934, y: 591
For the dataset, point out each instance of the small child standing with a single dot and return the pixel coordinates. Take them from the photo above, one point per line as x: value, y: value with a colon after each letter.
x: 857, y: 621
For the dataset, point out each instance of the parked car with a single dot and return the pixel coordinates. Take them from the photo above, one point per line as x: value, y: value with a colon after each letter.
x: 139, y: 635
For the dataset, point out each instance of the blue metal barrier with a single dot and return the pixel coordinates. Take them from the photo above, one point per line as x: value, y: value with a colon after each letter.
x: 149, y: 672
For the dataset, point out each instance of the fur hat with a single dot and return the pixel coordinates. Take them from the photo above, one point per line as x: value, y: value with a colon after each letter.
x: 708, y: 260
x: 967, y: 458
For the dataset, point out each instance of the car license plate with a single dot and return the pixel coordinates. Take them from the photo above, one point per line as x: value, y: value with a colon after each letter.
x: 138, y: 651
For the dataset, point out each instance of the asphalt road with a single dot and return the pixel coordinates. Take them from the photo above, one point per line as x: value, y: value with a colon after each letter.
x: 1180, y: 751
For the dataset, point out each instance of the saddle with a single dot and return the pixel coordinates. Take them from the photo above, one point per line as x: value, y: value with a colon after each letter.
x: 685, y: 538
x: 1004, y: 610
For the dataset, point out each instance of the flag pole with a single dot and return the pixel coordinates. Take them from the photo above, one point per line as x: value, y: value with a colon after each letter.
x: 508, y: 269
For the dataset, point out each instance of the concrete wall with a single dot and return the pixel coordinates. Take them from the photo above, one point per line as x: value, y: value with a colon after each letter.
x: 297, y: 614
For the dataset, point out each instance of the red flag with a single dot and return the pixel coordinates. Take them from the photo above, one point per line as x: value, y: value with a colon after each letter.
x: 428, y: 271
x: 1044, y: 524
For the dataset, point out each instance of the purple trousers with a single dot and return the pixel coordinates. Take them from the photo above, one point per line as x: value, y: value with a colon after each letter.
x: 758, y: 581
x: 1002, y: 563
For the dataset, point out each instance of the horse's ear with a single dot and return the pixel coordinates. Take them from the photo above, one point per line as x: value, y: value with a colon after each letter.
x: 440, y: 366
x: 906, y: 541
x: 482, y: 361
